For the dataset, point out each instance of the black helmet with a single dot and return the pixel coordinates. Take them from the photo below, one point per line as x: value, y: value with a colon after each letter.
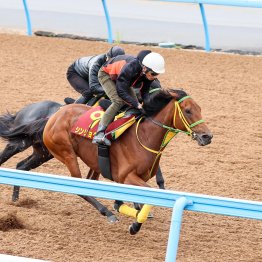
x: 141, y: 55
x: 115, y: 51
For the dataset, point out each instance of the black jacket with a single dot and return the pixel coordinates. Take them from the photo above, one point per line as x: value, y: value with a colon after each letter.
x: 88, y: 67
x: 126, y: 71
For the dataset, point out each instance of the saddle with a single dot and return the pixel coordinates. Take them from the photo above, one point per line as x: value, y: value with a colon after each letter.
x: 87, y: 124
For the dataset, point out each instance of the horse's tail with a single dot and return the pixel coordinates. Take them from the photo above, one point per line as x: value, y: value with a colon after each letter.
x: 7, y: 121
x: 33, y: 129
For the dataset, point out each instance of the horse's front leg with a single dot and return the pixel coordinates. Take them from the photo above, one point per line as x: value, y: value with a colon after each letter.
x: 141, y: 218
x: 160, y: 179
x: 161, y: 184
x: 140, y: 215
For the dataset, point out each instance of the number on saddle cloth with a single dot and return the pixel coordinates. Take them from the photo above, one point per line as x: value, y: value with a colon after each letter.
x: 87, y: 124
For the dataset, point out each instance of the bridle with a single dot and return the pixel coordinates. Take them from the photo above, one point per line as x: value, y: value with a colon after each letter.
x: 171, y: 131
x: 183, y: 119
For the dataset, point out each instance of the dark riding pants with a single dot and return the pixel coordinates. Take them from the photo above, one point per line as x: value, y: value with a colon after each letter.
x: 80, y: 84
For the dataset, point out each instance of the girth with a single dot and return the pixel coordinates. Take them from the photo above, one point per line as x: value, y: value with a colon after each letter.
x: 104, y: 161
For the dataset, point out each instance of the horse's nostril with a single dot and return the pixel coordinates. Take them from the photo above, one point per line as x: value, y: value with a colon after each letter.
x: 207, y: 136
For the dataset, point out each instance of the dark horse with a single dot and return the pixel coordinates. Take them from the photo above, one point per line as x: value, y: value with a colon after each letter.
x: 17, y: 142
x: 12, y: 130
x: 11, y: 123
x: 135, y: 155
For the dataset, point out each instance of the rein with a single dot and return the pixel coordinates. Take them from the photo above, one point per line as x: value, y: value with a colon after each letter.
x: 171, y: 131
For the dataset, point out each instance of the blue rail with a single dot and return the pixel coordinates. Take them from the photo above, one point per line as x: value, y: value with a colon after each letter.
x: 108, y: 21
x: 164, y: 198
x: 237, y: 3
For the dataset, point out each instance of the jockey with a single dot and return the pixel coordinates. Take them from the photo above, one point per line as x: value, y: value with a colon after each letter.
x: 82, y: 75
x: 118, y: 76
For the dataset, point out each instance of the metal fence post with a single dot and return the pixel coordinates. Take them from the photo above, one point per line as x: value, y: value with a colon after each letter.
x: 109, y: 28
x: 175, y: 226
x: 28, y: 21
x: 207, y: 44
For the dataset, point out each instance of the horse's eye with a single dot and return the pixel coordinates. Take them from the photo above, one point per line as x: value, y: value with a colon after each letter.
x: 188, y: 112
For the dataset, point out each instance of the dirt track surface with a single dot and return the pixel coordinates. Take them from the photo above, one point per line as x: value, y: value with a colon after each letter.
x: 60, y: 227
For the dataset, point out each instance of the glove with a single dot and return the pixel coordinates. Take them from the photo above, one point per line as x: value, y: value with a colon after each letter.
x: 141, y: 109
x: 139, y: 106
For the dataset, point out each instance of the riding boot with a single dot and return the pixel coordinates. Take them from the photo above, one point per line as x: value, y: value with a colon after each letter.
x: 69, y: 100
x: 82, y: 100
x: 99, y: 137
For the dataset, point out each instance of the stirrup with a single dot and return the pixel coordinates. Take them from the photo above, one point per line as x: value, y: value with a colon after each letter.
x: 101, y: 140
x: 69, y: 100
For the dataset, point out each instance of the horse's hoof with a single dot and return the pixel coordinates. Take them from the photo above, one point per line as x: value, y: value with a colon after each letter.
x: 15, y: 195
x: 134, y: 228
x: 14, y: 199
x: 112, y: 219
x: 116, y: 207
x: 131, y: 230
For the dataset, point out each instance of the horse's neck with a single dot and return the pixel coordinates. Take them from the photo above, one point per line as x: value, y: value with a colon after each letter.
x: 154, y: 134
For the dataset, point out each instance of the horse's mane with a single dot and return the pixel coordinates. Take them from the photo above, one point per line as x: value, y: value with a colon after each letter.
x: 159, y: 99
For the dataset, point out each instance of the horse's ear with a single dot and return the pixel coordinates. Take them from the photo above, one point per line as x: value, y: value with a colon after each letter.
x: 173, y: 93
x: 177, y: 93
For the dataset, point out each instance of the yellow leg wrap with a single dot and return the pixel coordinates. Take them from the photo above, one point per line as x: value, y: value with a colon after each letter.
x: 129, y: 211
x: 143, y: 214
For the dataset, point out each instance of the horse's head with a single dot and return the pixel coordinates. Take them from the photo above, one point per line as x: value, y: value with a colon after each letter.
x: 182, y: 115
x: 188, y: 118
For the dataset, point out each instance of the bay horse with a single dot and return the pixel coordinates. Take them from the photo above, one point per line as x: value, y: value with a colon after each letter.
x: 135, y: 155
x: 13, y: 131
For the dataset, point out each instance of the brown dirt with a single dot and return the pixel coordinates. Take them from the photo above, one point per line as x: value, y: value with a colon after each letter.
x: 62, y: 227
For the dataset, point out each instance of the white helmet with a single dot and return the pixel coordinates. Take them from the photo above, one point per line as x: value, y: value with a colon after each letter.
x: 155, y: 62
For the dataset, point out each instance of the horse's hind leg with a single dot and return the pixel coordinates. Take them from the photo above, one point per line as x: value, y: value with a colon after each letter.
x: 65, y: 153
x: 20, y: 166
x: 69, y: 158
x: 33, y: 161
x: 93, y: 175
x: 101, y: 208
x: 12, y: 149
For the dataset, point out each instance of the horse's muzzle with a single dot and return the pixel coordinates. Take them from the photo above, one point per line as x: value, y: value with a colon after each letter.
x: 203, y: 139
